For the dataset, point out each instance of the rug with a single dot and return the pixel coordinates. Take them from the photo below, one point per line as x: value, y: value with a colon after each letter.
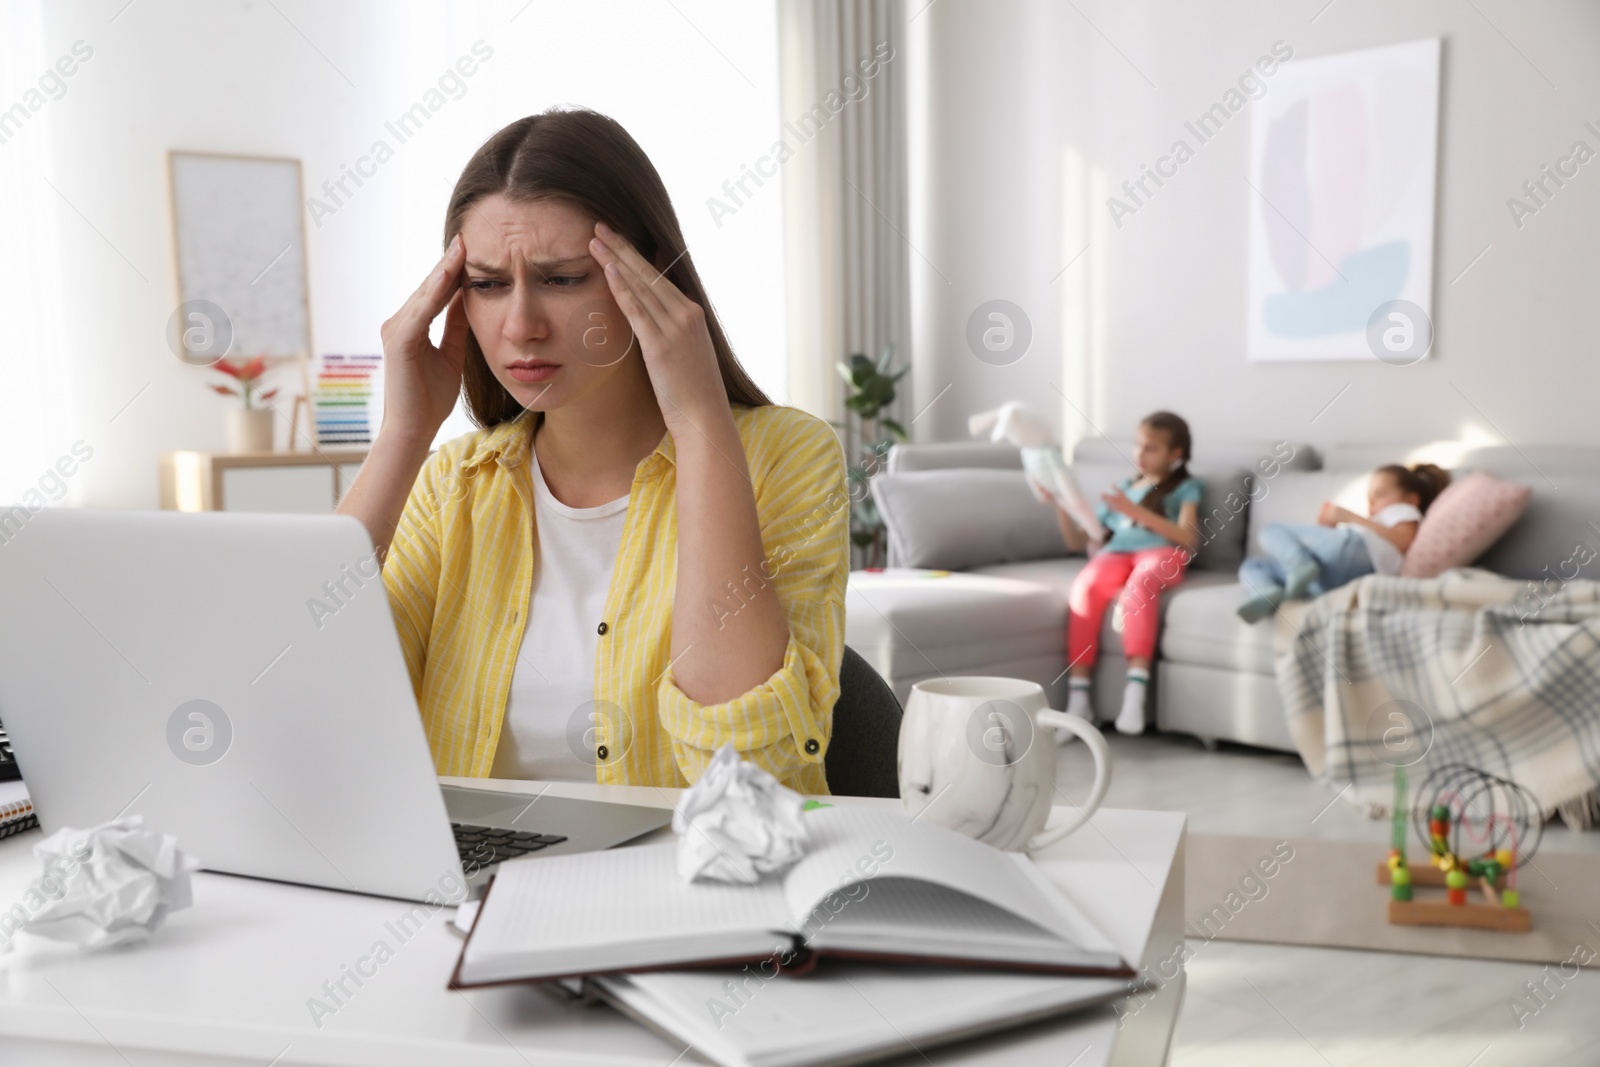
x: 1312, y: 892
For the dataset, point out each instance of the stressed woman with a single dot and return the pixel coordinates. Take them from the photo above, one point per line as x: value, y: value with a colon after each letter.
x: 638, y: 558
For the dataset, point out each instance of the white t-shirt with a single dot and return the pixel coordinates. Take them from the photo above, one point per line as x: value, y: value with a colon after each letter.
x: 1386, y: 558
x: 553, y: 679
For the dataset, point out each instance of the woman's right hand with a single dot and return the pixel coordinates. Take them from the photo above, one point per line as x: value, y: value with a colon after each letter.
x: 422, y: 381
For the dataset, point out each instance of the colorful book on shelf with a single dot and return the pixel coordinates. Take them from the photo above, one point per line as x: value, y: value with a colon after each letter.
x: 341, y: 399
x: 8, y: 759
x: 16, y: 809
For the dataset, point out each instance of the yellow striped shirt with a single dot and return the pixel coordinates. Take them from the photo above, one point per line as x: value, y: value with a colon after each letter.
x: 460, y: 569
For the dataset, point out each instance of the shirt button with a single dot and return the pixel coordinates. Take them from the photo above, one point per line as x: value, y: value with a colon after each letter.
x: 812, y: 746
x: 601, y: 752
x: 601, y: 629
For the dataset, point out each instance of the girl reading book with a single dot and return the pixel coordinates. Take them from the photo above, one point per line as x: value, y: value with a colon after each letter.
x: 1152, y: 517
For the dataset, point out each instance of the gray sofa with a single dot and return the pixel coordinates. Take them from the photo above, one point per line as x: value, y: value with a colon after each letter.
x: 965, y: 508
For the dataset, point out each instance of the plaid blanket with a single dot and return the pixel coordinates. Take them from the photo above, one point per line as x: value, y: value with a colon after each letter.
x: 1469, y: 667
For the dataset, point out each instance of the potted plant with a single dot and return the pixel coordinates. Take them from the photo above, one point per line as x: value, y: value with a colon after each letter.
x: 868, y: 438
x: 249, y: 426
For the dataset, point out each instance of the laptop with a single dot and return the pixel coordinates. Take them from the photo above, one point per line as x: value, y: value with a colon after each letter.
x: 237, y: 680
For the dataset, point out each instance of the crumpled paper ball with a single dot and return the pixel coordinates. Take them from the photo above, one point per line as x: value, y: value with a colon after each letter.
x: 737, y: 823
x: 110, y: 885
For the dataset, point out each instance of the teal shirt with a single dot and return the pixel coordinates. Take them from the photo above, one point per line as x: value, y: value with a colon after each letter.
x: 1127, y: 537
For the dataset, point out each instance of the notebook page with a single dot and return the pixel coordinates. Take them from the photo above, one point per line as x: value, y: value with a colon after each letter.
x: 901, y: 912
x: 842, y: 836
x: 591, y: 906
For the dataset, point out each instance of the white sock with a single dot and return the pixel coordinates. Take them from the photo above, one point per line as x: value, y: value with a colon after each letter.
x: 1077, y: 705
x: 1131, y: 719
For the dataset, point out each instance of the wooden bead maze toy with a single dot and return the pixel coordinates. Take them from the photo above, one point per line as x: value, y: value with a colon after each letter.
x: 1478, y: 829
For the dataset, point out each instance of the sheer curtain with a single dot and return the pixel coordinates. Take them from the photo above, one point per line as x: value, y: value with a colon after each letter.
x: 35, y: 406
x: 846, y: 259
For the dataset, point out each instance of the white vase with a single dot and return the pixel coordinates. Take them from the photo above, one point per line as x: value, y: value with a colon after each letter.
x: 250, y: 429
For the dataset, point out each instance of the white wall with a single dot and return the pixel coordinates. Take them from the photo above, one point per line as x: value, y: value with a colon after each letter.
x: 1035, y: 114
x: 696, y: 83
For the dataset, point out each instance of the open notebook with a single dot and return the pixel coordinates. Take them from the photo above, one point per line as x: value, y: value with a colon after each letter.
x: 873, y: 885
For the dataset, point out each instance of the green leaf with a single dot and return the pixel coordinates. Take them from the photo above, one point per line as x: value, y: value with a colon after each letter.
x: 844, y: 372
x: 894, y: 428
x: 862, y: 370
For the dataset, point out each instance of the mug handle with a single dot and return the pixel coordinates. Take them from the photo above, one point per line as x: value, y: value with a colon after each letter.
x: 1102, y: 776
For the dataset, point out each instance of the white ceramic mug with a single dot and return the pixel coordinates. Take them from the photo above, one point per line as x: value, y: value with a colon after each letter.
x: 978, y: 755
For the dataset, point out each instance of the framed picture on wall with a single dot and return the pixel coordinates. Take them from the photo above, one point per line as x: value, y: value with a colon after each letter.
x: 1343, y: 154
x: 239, y: 238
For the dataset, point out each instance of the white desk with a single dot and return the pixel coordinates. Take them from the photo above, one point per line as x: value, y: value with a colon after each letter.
x: 228, y: 981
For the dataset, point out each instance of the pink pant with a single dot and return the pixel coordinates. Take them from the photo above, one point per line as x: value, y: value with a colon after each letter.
x: 1136, y: 579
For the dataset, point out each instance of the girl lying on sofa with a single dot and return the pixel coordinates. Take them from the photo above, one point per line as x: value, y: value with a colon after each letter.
x: 1153, y: 521
x: 1303, y: 560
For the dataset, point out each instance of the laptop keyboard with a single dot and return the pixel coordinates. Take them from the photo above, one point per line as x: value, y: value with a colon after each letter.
x: 488, y: 845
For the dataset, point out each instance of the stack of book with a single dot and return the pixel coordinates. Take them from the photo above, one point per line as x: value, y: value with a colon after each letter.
x: 341, y: 399
x: 886, y: 933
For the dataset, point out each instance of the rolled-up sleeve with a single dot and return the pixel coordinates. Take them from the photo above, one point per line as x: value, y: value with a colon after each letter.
x: 784, y: 724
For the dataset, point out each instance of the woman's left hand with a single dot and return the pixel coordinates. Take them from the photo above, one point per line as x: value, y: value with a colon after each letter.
x: 672, y: 334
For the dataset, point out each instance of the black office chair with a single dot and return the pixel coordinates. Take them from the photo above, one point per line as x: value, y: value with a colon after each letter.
x: 861, y: 759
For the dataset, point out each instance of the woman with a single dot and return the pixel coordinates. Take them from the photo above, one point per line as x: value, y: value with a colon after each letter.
x: 638, y: 558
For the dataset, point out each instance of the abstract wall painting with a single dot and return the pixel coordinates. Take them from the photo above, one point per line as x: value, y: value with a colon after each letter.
x: 1341, y: 200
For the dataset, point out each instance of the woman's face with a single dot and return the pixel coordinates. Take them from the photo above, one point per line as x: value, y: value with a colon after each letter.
x: 538, y: 303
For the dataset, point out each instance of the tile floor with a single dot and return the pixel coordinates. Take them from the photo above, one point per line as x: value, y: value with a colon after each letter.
x: 1284, y: 1006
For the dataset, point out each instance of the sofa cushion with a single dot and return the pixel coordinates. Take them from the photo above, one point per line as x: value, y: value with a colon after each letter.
x: 1522, y: 462
x: 1557, y: 537
x: 1295, y: 496
x: 1258, y: 457
x: 1057, y: 574
x: 903, y: 459
x: 915, y: 623
x: 1224, y: 517
x: 1468, y: 517
x: 964, y: 517
x: 1200, y: 628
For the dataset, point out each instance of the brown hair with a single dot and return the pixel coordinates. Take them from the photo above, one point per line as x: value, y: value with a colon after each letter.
x: 1426, y: 480
x: 588, y: 160
x: 1177, y: 432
